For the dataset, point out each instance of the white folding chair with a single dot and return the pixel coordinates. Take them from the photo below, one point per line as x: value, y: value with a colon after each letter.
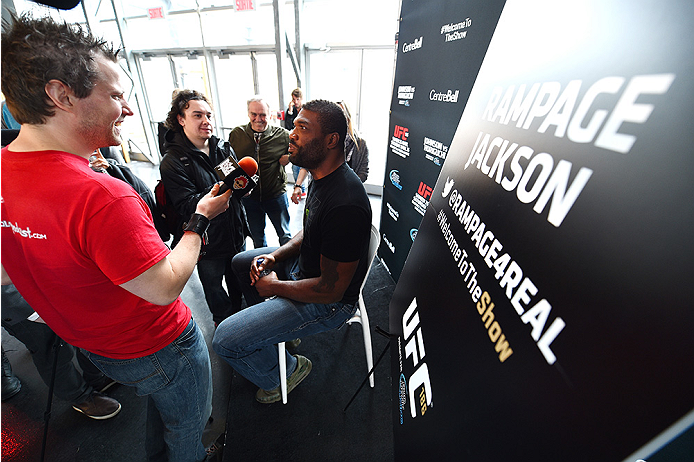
x: 360, y: 316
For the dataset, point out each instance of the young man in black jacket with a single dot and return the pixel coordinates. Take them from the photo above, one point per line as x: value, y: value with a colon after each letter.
x: 187, y: 171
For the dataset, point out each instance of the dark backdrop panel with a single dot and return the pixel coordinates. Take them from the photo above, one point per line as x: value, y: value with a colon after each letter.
x: 440, y: 48
x: 545, y: 312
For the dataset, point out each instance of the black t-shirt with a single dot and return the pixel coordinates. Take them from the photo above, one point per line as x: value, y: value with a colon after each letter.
x: 337, y: 225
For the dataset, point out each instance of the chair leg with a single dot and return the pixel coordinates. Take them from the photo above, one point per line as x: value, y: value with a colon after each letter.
x: 366, y: 330
x: 283, y: 371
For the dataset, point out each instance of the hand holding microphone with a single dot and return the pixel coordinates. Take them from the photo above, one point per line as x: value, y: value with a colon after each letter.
x: 212, y: 204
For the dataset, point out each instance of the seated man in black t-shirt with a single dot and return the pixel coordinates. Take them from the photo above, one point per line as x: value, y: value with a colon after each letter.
x: 314, y: 279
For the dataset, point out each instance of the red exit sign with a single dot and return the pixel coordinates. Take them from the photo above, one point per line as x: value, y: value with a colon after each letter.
x: 245, y: 5
x: 156, y: 13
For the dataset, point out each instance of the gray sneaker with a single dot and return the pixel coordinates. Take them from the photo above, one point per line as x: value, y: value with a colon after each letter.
x: 303, y: 367
x: 98, y: 406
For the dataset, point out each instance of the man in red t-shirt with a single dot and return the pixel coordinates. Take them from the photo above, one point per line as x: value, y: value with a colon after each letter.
x: 81, y: 247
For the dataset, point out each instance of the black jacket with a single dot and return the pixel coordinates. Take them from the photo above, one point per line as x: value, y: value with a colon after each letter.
x: 188, y: 174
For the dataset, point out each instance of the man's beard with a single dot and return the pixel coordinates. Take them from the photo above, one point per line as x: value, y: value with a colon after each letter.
x: 309, y: 156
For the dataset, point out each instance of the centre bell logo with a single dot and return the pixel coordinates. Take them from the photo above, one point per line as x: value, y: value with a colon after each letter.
x: 407, y: 47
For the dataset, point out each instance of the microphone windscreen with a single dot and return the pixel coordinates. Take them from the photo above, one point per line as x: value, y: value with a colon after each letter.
x: 60, y: 4
x: 249, y: 165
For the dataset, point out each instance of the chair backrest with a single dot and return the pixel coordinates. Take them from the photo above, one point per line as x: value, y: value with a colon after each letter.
x: 374, y: 241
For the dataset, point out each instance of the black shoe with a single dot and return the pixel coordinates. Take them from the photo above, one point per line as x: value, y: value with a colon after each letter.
x: 10, y: 382
x: 98, y: 406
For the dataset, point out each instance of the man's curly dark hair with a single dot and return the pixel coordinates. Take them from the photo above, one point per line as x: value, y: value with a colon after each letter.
x: 330, y: 116
x: 38, y: 50
x: 179, y: 104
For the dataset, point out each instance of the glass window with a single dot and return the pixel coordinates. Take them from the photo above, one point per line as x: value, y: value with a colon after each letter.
x: 175, y: 31
x: 355, y: 22
x: 234, y: 86
x: 192, y: 74
x: 363, y: 79
x: 133, y: 129
x: 374, y: 109
x: 334, y: 75
x: 159, y: 84
x: 267, y: 83
x: 227, y: 27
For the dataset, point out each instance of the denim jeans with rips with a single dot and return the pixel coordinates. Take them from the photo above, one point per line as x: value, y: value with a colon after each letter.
x: 177, y: 381
x: 248, y: 339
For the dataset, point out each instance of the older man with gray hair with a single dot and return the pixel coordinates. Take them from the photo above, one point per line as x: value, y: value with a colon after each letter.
x: 268, y: 145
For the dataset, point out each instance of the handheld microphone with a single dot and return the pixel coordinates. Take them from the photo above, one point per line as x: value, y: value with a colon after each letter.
x: 237, y: 176
x: 249, y: 165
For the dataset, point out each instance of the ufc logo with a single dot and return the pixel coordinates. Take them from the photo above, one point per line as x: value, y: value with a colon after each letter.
x: 414, y: 347
x: 424, y: 190
x: 401, y: 132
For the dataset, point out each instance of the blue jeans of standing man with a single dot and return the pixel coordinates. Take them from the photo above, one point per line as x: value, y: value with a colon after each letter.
x: 248, y: 339
x: 177, y: 381
x: 277, y: 210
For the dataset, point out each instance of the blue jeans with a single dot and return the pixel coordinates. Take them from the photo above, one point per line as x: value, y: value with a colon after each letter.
x: 177, y: 381
x: 247, y: 340
x: 276, y: 209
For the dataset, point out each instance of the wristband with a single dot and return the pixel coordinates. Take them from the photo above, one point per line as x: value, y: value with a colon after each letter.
x: 198, y: 224
x: 297, y: 186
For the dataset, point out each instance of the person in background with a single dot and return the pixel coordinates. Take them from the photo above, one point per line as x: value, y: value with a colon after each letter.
x: 187, y: 171
x: 84, y: 390
x: 162, y: 129
x: 293, y: 109
x: 268, y: 145
x: 119, y: 302
x: 8, y: 121
x: 313, y: 281
x: 289, y: 116
x: 298, y: 190
x: 356, y: 152
x: 99, y: 163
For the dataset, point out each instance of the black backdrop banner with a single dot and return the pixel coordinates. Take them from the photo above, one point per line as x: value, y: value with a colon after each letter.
x: 545, y: 310
x: 440, y: 49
